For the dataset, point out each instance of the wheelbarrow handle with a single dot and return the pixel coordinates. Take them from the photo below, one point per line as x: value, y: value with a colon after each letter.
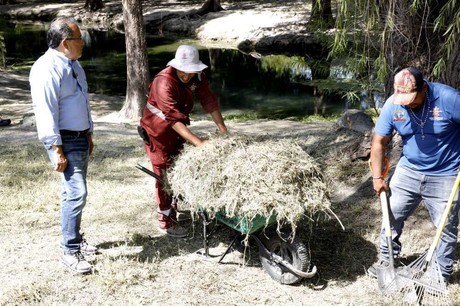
x: 151, y: 173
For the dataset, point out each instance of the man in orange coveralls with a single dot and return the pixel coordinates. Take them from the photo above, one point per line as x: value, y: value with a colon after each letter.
x: 163, y: 125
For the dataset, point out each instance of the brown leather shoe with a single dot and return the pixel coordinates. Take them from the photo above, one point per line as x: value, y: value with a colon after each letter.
x: 176, y: 231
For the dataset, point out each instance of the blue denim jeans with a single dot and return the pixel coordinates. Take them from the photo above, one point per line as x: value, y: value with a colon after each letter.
x: 408, y: 188
x: 74, y: 190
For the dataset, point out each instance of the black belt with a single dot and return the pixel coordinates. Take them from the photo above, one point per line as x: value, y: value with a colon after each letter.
x: 74, y: 133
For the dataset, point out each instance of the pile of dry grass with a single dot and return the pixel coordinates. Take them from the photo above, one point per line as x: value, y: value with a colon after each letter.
x: 246, y: 177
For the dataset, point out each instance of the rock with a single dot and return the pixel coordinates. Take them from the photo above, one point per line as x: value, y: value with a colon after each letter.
x: 356, y: 120
x: 360, y: 148
x: 28, y: 120
x: 359, y: 121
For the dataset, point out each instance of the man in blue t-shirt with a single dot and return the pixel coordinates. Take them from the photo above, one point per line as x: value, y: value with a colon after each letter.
x: 427, y: 117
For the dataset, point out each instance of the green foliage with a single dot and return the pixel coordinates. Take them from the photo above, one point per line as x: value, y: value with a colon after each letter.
x: 439, y: 67
x: 370, y: 33
x: 243, y: 117
x: 355, y: 42
x: 448, y: 24
x: 317, y: 118
x: 283, y: 66
x: 382, y: 67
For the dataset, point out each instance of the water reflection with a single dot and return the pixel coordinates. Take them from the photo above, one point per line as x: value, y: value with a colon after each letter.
x: 266, y: 86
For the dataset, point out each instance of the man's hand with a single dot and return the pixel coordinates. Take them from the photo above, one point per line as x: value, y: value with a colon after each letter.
x: 219, y: 121
x: 60, y: 162
x: 91, y: 144
x: 379, y: 185
x: 201, y: 143
x: 223, y: 130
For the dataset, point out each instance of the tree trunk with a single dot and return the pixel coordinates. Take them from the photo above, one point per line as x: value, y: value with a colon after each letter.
x: 93, y: 5
x: 411, y: 41
x: 136, y: 60
x: 210, y: 6
x: 320, y: 71
x: 321, y: 15
x: 452, y: 74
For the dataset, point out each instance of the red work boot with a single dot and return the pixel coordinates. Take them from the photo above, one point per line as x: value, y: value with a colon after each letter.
x: 170, y: 226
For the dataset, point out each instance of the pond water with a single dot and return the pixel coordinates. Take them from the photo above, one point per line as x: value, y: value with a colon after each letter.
x: 244, y: 83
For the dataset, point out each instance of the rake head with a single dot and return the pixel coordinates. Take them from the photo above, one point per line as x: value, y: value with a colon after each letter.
x: 420, y: 283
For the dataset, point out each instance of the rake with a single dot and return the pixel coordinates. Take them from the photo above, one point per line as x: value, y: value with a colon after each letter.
x: 421, y: 282
x: 386, y: 272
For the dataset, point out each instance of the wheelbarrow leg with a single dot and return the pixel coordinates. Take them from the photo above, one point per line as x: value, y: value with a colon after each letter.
x: 238, y: 236
x: 204, y: 216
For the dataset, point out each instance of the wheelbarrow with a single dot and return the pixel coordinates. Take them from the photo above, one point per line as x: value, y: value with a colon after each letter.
x: 285, y: 260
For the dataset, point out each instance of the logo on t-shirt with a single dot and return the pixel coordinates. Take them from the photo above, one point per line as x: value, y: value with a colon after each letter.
x: 436, y: 114
x: 399, y: 116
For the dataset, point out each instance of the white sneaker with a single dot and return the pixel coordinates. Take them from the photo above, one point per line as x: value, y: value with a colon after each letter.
x: 87, y: 249
x: 76, y: 262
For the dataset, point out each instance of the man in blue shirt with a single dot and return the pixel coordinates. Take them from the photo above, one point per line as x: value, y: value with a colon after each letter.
x: 64, y: 125
x: 427, y: 117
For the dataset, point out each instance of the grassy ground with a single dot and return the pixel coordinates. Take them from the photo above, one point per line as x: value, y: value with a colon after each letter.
x: 140, y: 266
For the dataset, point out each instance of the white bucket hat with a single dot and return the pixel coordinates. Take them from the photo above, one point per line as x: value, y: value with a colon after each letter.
x: 187, y: 60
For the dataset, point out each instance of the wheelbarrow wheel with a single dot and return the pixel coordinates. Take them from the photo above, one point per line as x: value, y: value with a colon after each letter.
x: 295, y: 253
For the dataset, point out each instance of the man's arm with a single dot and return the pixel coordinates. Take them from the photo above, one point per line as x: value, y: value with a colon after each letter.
x: 91, y: 144
x: 188, y: 135
x: 219, y: 121
x: 377, y: 162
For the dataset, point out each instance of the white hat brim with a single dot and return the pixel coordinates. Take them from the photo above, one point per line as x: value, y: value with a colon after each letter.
x: 187, y: 68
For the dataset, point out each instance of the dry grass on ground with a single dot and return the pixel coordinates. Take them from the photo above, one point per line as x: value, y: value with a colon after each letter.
x: 140, y: 266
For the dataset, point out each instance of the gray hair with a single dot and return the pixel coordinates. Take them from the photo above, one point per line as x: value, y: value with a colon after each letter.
x: 59, y: 30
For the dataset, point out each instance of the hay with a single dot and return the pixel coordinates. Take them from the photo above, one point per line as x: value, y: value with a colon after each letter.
x: 246, y: 177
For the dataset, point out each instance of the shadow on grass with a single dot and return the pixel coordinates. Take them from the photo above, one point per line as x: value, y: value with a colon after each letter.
x: 338, y: 255
x: 163, y: 247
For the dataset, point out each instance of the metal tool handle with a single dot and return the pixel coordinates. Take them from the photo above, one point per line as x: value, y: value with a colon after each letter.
x: 151, y: 173
x: 387, y: 225
x: 385, y: 213
x: 444, y: 218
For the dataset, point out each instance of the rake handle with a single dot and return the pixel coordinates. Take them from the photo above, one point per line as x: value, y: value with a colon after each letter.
x: 444, y: 218
x: 387, y: 225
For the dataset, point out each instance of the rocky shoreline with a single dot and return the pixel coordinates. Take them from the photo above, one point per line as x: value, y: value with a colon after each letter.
x: 248, y: 26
